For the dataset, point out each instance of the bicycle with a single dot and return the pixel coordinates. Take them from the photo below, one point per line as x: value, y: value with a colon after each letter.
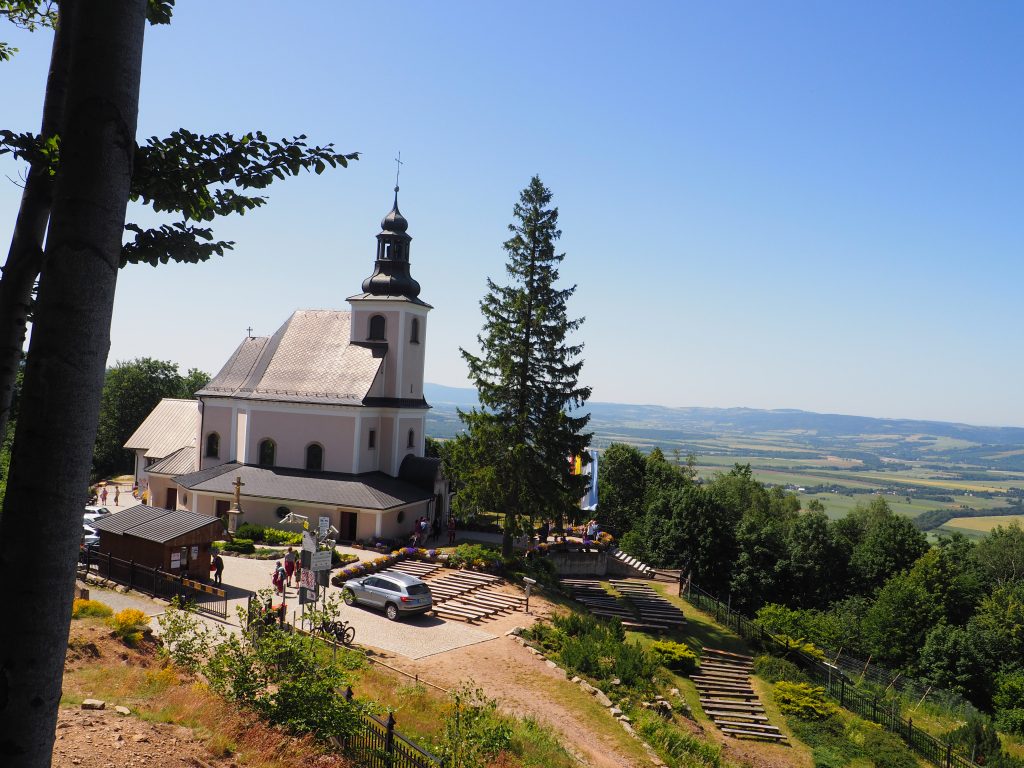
x: 341, y: 631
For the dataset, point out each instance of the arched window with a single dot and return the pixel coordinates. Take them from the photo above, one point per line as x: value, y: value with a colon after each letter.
x: 267, y: 452
x: 412, y: 439
x: 414, y: 332
x: 377, y: 328
x: 315, y: 457
x: 213, y: 445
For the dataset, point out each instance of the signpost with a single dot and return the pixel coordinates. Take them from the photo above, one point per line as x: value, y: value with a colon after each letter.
x: 325, y: 524
x: 321, y: 561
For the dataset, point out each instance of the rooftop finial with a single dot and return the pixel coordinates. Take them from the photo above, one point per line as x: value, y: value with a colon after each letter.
x: 398, y: 169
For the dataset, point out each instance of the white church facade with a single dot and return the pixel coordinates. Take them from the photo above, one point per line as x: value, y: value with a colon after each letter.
x: 324, y: 418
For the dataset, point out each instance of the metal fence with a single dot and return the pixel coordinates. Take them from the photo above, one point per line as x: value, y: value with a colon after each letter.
x: 870, y: 706
x: 377, y: 744
x: 155, y: 581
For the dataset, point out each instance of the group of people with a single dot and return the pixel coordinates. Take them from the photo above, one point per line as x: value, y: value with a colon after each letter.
x: 100, y: 494
x: 423, y: 531
x: 286, y: 570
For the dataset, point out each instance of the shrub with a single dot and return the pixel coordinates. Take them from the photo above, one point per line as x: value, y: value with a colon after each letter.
x: 803, y: 701
x: 185, y: 640
x: 250, y: 531
x: 1011, y: 720
x: 242, y: 546
x: 129, y: 625
x: 278, y: 538
x: 802, y: 645
x: 675, y: 656
x: 83, y: 608
x: 887, y: 751
x: 773, y: 669
x: 472, y: 556
x: 633, y: 665
x: 474, y: 731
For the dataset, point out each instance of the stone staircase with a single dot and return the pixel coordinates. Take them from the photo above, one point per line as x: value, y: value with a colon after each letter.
x: 629, y: 565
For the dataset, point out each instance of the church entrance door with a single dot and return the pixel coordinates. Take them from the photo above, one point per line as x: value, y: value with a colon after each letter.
x: 172, y: 498
x: 223, y: 505
x: 348, y: 526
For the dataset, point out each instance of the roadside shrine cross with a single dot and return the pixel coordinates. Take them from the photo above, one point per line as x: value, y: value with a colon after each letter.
x: 238, y: 491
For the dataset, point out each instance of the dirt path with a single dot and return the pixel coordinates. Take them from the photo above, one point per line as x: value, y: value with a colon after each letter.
x: 527, y: 687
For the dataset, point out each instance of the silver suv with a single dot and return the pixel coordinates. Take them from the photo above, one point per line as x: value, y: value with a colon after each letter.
x: 399, y: 594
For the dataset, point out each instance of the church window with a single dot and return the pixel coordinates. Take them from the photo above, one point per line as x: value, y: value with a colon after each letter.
x: 267, y: 453
x: 414, y: 333
x: 315, y: 457
x: 372, y: 443
x: 377, y: 329
x: 412, y: 439
x: 213, y: 445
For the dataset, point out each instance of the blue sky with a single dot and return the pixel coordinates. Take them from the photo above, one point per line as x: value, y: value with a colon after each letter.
x: 785, y: 205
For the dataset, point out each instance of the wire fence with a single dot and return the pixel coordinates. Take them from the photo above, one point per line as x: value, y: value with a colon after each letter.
x: 870, y: 705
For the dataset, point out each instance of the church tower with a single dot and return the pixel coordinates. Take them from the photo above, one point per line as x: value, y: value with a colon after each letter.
x: 390, y: 317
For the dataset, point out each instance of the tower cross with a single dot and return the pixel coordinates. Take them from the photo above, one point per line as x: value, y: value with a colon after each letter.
x: 398, y: 169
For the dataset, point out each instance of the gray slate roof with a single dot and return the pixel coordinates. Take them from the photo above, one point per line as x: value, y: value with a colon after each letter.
x: 154, y: 524
x: 372, y: 491
x: 181, y: 461
x: 169, y: 426
x: 308, y: 360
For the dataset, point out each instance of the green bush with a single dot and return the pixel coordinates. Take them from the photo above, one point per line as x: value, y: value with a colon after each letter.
x: 632, y: 664
x: 250, y: 531
x: 473, y: 556
x: 275, y: 537
x: 82, y: 608
x: 241, y: 546
x: 1011, y: 720
x: 886, y: 750
x: 799, y: 644
x: 675, y: 656
x: 803, y: 701
x: 773, y: 669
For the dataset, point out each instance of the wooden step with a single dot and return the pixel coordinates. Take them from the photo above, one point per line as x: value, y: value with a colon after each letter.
x: 754, y: 734
x: 751, y: 706
x: 713, y: 713
x: 728, y: 654
x: 748, y: 726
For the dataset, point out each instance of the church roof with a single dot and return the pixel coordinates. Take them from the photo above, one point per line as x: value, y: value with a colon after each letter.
x: 169, y: 427
x: 181, y: 461
x: 372, y: 491
x: 154, y: 524
x: 308, y: 360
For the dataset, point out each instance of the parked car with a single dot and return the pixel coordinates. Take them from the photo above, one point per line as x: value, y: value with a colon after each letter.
x: 89, y: 536
x: 93, y: 513
x: 398, y: 594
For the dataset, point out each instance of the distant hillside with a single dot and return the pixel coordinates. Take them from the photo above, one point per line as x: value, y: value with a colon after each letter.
x: 711, y: 430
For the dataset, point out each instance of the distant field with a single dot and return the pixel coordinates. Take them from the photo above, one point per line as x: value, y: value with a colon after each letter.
x: 983, y: 524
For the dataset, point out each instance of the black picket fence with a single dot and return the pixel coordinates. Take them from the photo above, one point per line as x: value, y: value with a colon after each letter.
x: 377, y: 744
x: 869, y: 706
x: 155, y: 581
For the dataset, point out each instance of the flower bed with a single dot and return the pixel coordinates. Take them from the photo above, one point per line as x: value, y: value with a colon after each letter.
x: 365, y: 567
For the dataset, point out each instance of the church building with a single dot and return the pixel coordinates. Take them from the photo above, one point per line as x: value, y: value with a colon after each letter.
x: 325, y: 418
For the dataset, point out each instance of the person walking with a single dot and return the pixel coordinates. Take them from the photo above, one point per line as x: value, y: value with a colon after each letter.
x: 451, y: 530
x: 103, y: 496
x: 289, y: 565
x: 278, y: 578
x: 218, y: 567
x: 117, y: 495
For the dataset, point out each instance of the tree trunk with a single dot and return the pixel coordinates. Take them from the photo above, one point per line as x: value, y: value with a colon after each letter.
x: 40, y: 529
x: 25, y: 258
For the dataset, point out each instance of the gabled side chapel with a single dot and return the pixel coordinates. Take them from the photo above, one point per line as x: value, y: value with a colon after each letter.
x: 325, y: 417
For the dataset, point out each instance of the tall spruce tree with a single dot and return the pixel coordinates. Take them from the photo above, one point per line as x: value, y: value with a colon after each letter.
x: 514, y: 456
